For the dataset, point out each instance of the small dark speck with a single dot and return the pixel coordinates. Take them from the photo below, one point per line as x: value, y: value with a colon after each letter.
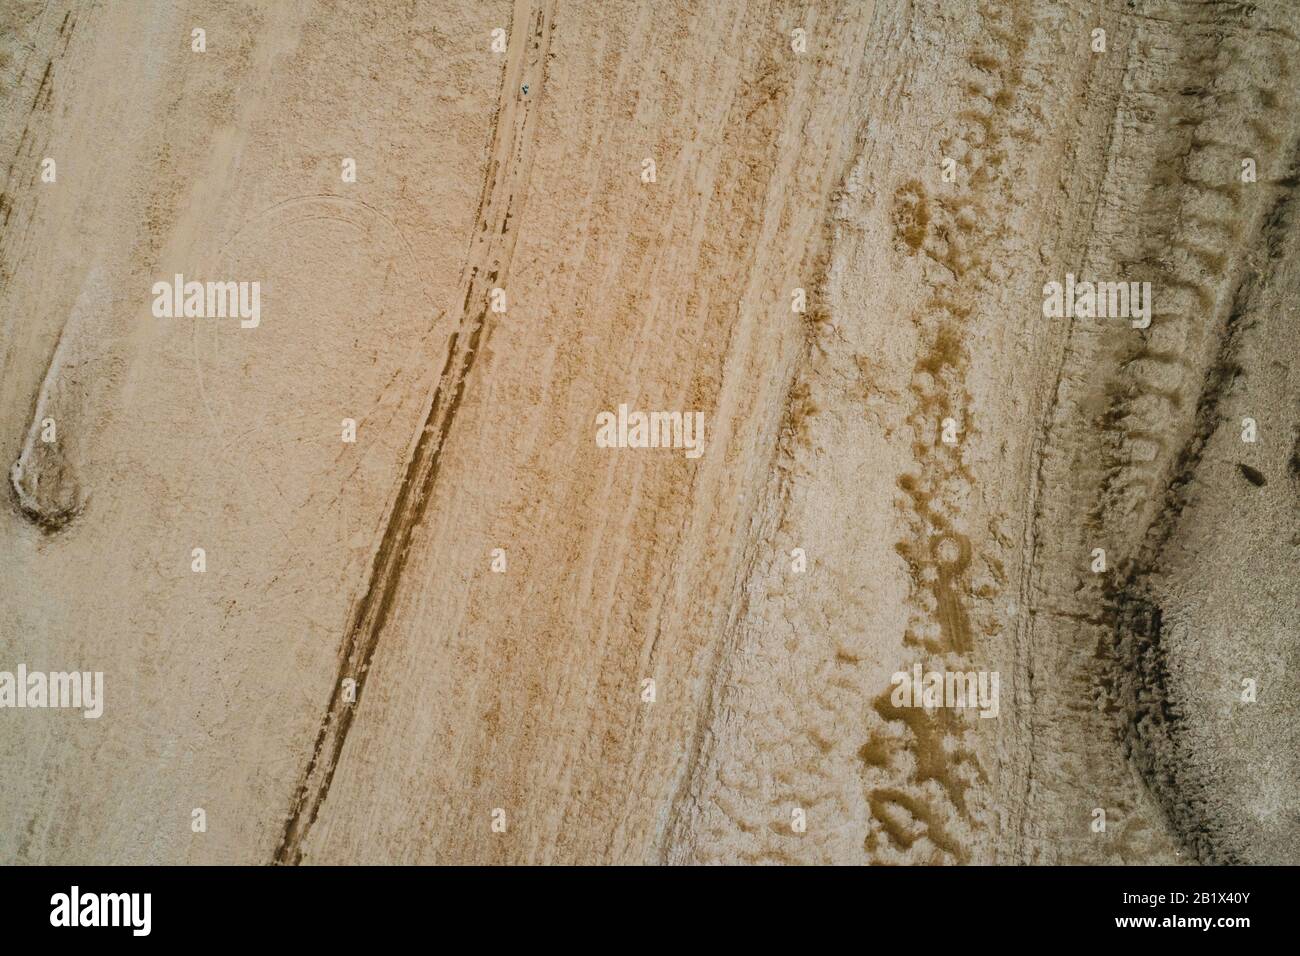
x: 1252, y: 475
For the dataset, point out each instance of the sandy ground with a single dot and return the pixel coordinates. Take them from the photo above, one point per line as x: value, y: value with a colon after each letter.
x: 432, y: 645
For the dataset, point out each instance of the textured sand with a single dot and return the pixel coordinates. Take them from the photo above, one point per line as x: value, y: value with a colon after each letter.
x: 518, y: 697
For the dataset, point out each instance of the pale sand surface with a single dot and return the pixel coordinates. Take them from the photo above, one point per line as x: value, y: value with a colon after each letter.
x: 524, y: 691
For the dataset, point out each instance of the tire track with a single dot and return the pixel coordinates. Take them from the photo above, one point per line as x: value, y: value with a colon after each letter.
x: 1162, y: 404
x: 1153, y: 730
x: 959, y: 236
x: 487, y: 263
x: 708, y: 801
x: 1120, y: 437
